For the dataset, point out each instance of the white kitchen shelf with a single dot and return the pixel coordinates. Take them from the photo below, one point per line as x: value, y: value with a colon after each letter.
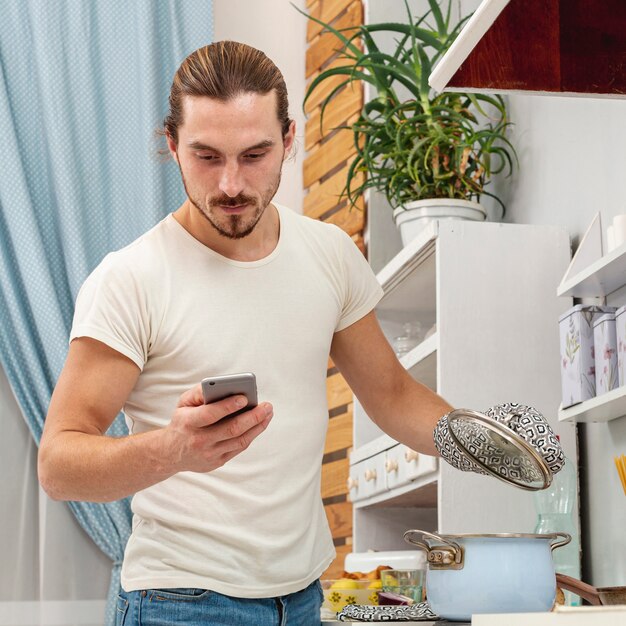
x: 421, y: 492
x: 409, y: 258
x: 421, y: 361
x: 603, y: 408
x: 599, y: 279
x: 409, y: 284
x: 418, y: 354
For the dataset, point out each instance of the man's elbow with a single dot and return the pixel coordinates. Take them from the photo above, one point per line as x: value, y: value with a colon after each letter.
x: 48, y: 474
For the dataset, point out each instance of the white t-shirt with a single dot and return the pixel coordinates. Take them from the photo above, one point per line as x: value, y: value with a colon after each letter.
x: 256, y: 526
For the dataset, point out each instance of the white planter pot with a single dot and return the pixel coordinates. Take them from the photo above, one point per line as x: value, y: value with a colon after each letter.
x: 412, y: 218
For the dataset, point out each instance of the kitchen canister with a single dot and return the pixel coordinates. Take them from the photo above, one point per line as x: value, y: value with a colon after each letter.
x: 605, y: 348
x: 578, y: 380
x: 620, y: 335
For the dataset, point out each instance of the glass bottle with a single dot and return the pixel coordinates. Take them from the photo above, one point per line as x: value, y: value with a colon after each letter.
x: 555, y: 508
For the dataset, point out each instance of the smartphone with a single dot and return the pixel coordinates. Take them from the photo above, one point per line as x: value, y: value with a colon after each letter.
x: 216, y: 388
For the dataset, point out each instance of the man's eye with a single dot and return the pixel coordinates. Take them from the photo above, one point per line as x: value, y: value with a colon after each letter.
x: 255, y: 155
x: 207, y: 157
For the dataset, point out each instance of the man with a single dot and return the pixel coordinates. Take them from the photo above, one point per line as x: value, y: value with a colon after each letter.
x: 228, y: 525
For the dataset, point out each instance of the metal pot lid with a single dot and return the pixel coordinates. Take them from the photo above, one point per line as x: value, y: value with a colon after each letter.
x: 502, y: 535
x: 498, y: 450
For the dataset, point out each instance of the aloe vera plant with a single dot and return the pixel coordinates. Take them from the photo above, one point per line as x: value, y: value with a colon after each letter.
x: 423, y: 145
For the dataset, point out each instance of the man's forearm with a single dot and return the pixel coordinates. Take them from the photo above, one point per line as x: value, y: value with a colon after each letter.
x: 97, y: 468
x: 405, y: 409
x: 411, y: 415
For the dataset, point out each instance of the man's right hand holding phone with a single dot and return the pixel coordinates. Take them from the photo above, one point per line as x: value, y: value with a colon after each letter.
x: 201, y: 440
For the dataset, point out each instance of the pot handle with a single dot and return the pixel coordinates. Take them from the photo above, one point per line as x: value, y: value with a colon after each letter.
x: 509, y: 417
x: 420, y: 544
x: 563, y: 542
x: 454, y: 548
x: 585, y: 591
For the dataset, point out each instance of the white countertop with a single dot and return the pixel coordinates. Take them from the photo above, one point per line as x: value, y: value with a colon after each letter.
x: 563, y: 616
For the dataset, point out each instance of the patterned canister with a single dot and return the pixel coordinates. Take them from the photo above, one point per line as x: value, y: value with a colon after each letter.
x: 605, y: 348
x: 620, y: 333
x: 578, y: 382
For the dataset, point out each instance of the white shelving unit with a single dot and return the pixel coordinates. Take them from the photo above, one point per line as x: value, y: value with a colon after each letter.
x: 600, y: 279
x: 486, y: 293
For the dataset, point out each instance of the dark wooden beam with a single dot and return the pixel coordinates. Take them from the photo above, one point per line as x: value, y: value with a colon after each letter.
x: 575, y: 46
x: 593, y: 46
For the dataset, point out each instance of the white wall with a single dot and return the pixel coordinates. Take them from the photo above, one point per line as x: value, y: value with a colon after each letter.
x: 276, y: 28
x: 572, y: 160
x: 573, y: 164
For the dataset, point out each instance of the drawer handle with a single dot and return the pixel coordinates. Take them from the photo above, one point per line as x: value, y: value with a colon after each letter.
x: 410, y: 455
x: 391, y: 465
x: 353, y: 483
x: 370, y: 474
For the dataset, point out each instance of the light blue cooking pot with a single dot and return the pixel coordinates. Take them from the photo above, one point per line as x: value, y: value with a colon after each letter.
x: 500, y: 573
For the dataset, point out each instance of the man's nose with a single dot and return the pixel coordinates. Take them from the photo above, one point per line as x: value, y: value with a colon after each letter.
x: 231, y: 182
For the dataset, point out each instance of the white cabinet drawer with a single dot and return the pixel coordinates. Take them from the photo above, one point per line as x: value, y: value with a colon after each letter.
x: 372, y: 474
x: 370, y: 477
x: 354, y: 487
x: 403, y: 465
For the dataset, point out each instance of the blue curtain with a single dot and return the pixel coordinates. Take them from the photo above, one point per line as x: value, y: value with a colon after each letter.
x: 83, y: 85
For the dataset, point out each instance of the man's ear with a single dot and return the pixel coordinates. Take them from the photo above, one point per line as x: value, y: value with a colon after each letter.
x: 288, y: 139
x: 171, y: 146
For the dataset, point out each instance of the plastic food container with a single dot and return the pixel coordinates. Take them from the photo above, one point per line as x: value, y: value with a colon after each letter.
x: 396, y: 559
x: 340, y: 593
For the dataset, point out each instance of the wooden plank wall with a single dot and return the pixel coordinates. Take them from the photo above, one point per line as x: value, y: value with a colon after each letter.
x: 324, y: 173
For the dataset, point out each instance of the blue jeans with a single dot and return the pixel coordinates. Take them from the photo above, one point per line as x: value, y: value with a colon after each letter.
x: 199, y: 607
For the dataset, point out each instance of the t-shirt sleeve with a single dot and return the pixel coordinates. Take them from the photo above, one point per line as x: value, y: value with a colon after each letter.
x: 361, y: 289
x: 109, y: 308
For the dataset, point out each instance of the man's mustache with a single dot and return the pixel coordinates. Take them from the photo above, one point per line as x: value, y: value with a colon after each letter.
x: 232, y: 202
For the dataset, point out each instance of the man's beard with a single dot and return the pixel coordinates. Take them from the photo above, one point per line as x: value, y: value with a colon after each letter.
x: 234, y: 226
